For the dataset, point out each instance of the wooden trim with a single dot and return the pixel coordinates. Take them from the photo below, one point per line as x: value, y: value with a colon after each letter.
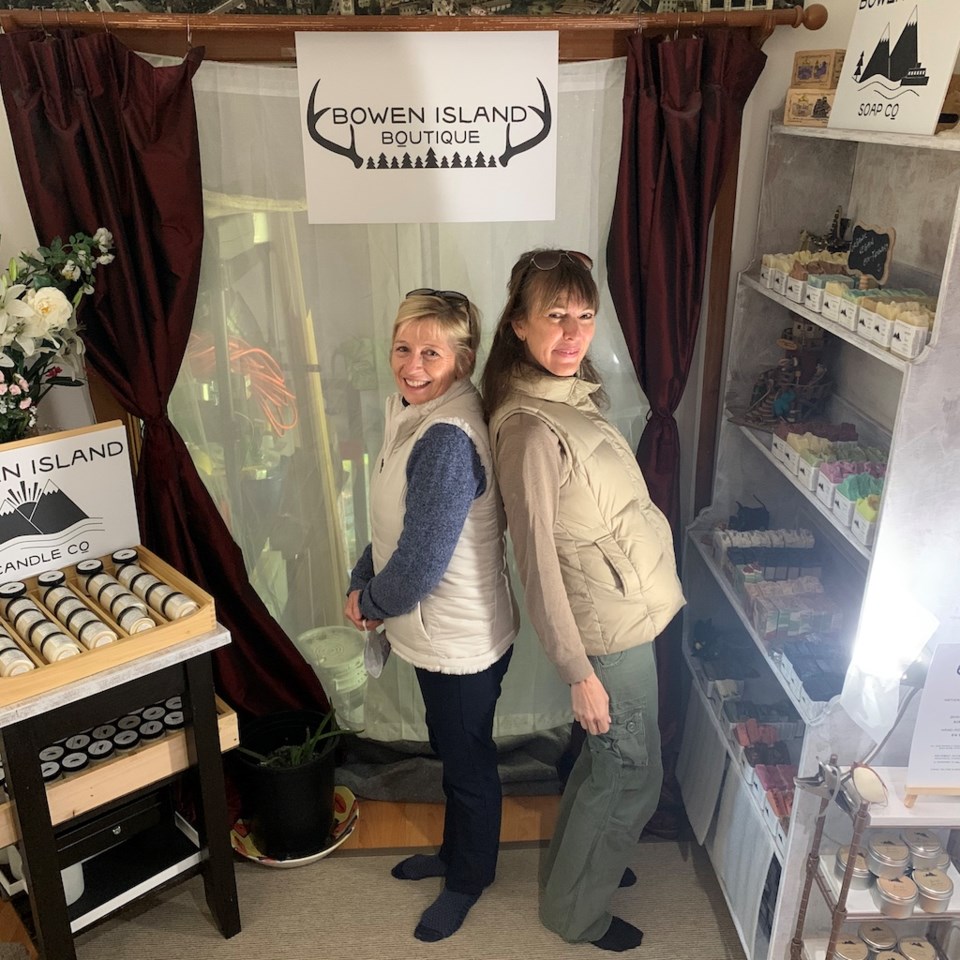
x: 266, y: 38
x: 106, y: 407
x: 715, y: 334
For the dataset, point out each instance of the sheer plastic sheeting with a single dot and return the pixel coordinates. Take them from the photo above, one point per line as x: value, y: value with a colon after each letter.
x: 281, y: 396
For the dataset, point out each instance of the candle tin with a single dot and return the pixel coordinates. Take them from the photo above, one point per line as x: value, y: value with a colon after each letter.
x: 851, y: 948
x: 887, y: 856
x: 917, y: 948
x: 126, y: 740
x: 925, y: 847
x: 934, y: 889
x: 862, y: 878
x: 878, y: 936
x: 888, y: 955
x: 896, y: 896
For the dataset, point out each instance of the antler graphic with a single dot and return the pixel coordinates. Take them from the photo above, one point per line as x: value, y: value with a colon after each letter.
x: 313, y: 116
x: 544, y: 114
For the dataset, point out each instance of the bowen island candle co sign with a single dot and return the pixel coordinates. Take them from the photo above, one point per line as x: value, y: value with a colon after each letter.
x: 898, y: 65
x: 428, y: 127
x: 64, y: 498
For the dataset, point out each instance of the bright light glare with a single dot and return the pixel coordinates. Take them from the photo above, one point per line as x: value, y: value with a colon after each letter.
x: 891, y: 634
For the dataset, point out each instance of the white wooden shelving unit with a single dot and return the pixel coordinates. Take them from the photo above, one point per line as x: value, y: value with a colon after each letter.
x: 912, y: 407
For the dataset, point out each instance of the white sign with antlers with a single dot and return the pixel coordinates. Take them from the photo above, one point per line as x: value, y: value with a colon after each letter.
x: 429, y: 127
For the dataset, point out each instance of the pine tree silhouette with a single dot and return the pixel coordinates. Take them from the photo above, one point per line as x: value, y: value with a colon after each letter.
x: 492, y: 162
x: 480, y: 161
x: 382, y: 163
x: 443, y: 163
x: 394, y: 164
x: 456, y: 163
x: 370, y: 164
x: 407, y: 162
x: 431, y: 163
x: 468, y: 162
x: 856, y: 73
x: 418, y: 165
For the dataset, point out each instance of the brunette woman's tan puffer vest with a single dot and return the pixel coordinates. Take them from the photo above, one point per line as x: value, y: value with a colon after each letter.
x: 615, y: 546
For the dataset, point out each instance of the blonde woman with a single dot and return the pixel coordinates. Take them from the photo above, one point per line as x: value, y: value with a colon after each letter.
x: 436, y: 576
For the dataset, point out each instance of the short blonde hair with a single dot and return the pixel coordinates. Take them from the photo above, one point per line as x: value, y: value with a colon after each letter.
x: 458, y: 320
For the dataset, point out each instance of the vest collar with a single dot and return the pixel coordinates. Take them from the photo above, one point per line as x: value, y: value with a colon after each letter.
x: 411, y: 414
x: 570, y: 390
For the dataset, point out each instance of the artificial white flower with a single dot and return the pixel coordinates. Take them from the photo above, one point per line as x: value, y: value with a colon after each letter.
x: 70, y: 270
x: 52, y: 310
x: 105, y: 258
x: 103, y: 238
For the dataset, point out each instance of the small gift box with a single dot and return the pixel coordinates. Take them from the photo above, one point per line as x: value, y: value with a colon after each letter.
x: 807, y: 473
x: 882, y: 332
x: 778, y: 447
x: 843, y: 508
x: 825, y: 490
x: 779, y: 282
x: 907, y: 339
x: 795, y: 289
x: 791, y: 460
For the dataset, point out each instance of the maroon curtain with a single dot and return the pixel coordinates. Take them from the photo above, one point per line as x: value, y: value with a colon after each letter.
x: 102, y: 138
x: 682, y: 106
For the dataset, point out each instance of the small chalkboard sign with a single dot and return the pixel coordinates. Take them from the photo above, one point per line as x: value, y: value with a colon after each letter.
x: 871, y: 251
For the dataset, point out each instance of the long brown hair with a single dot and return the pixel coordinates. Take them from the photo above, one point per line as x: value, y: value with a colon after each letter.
x: 532, y: 290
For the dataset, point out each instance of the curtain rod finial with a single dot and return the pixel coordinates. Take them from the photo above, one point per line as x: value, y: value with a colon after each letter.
x: 813, y: 17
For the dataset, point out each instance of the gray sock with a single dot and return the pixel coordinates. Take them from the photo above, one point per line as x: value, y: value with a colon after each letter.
x: 445, y: 915
x: 419, y: 867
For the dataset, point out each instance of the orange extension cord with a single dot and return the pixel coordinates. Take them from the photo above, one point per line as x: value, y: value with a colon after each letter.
x: 267, y: 383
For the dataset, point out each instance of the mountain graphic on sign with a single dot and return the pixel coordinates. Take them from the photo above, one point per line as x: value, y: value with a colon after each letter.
x: 30, y: 510
x: 901, y: 65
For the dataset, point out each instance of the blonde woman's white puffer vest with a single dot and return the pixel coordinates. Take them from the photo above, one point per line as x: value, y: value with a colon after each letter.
x: 615, y: 546
x: 470, y: 619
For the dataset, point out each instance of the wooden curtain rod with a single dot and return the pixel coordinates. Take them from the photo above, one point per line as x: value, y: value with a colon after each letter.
x: 263, y: 37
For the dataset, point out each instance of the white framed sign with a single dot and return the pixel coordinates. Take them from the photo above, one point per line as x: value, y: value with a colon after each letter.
x: 64, y: 498
x: 415, y: 127
x: 898, y: 65
x: 935, y: 750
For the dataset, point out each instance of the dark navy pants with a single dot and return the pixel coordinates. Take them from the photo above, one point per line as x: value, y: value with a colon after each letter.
x: 460, y: 711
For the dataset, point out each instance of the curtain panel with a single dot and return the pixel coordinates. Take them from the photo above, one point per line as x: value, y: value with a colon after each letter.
x: 103, y: 138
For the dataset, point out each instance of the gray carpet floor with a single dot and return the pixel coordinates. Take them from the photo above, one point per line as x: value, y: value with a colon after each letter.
x: 348, y: 907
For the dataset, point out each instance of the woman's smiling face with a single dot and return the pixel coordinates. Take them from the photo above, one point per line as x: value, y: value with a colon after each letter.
x: 423, y: 361
x: 558, y: 337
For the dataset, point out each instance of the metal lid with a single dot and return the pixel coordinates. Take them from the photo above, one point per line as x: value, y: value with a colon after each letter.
x: 851, y: 948
x: 917, y: 948
x: 860, y: 868
x: 888, y: 849
x: 50, y: 770
x: 52, y: 578
x: 877, y: 936
x: 889, y: 955
x: 12, y: 589
x: 933, y: 883
x: 121, y: 557
x: 897, y: 889
x: 90, y: 566
x: 922, y: 841
x: 73, y: 762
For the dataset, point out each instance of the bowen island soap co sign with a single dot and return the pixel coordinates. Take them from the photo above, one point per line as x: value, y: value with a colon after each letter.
x: 428, y: 128
x: 898, y: 65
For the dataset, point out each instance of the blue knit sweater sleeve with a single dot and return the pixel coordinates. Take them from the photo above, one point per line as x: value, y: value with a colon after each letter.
x: 444, y: 477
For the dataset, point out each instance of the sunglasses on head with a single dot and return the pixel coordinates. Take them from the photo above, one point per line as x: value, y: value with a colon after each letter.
x: 548, y: 259
x: 451, y: 296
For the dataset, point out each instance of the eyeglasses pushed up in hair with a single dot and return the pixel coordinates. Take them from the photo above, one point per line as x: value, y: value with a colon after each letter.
x: 451, y: 296
x: 548, y: 259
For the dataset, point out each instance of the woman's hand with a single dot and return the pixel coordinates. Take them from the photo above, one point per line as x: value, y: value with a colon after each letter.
x: 352, y: 610
x: 591, y: 705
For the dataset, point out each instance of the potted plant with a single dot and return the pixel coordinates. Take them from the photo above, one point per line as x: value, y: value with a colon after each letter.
x: 287, y: 781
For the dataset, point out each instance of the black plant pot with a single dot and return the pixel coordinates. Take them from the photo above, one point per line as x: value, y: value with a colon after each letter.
x: 289, y: 809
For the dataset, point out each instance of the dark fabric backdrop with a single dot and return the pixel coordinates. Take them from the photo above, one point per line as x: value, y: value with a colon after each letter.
x: 102, y: 138
x: 682, y: 108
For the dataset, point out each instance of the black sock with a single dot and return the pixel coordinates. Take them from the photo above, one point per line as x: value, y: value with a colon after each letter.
x: 445, y: 915
x: 621, y: 936
x: 419, y: 867
x: 628, y: 879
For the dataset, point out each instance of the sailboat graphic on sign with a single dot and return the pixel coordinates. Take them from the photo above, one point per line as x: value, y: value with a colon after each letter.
x: 900, y: 66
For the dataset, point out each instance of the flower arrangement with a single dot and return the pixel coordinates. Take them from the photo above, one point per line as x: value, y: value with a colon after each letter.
x: 40, y: 347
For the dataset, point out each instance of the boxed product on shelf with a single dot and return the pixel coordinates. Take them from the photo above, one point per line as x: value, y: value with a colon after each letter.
x: 864, y: 523
x: 817, y: 69
x: 815, y: 289
x: 807, y: 108
x: 779, y: 716
x: 911, y: 332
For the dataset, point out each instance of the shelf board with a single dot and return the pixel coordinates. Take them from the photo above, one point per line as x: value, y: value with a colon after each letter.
x: 865, y: 346
x: 734, y: 760
x: 928, y: 811
x: 806, y: 714
x: 815, y: 948
x: 150, y: 763
x: 862, y: 906
x: 948, y: 140
x: 758, y: 439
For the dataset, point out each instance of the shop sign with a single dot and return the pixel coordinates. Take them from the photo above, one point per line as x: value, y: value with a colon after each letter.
x: 412, y: 127
x: 65, y: 498
x: 898, y: 65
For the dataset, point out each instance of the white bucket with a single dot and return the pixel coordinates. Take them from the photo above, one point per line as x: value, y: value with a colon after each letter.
x: 336, y: 655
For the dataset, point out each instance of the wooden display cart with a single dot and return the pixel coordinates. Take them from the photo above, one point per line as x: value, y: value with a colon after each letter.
x: 68, y: 498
